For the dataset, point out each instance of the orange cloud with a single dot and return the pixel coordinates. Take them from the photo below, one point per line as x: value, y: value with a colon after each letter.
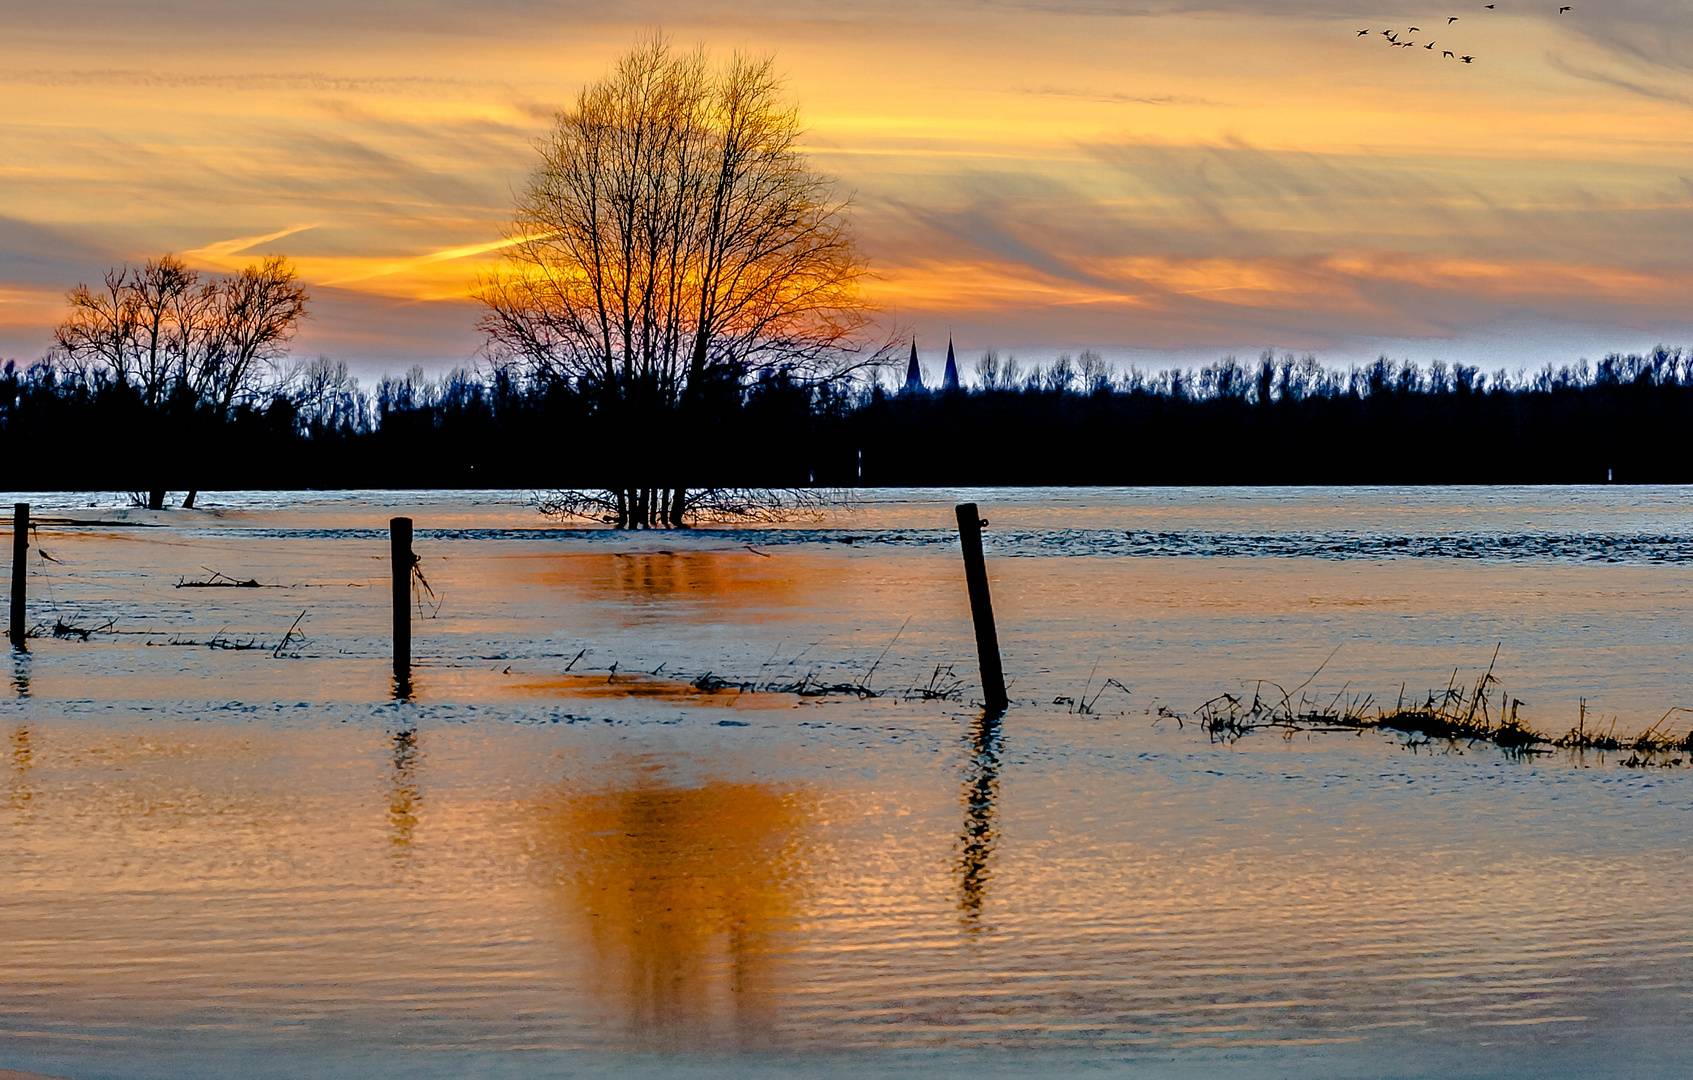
x: 1199, y: 178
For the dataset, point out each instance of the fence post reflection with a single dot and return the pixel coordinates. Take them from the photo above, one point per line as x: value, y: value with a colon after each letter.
x: 403, y: 794
x: 22, y: 759
x: 981, y: 795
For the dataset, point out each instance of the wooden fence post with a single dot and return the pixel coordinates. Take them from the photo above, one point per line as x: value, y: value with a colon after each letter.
x: 399, y: 533
x: 20, y: 572
x: 981, y: 607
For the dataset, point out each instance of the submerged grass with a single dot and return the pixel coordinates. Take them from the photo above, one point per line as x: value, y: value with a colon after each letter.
x: 804, y: 686
x: 216, y: 579
x: 943, y: 685
x: 67, y: 631
x: 1462, y: 713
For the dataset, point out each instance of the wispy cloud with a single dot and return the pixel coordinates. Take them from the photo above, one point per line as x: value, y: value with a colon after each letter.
x: 144, y: 78
x: 221, y: 251
x: 1229, y: 243
x: 392, y: 267
x: 1657, y: 92
x: 1113, y: 97
x: 1169, y: 173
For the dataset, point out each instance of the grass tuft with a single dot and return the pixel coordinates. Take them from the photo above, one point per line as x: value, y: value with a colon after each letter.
x: 1459, y: 714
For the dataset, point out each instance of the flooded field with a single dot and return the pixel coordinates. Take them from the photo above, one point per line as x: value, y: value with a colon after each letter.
x: 721, y: 802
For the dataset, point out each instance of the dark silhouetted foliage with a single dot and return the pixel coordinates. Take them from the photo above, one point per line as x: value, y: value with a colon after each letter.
x: 1281, y: 421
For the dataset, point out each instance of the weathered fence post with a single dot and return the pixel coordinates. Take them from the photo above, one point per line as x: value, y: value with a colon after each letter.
x: 20, y: 571
x: 399, y: 532
x: 981, y: 607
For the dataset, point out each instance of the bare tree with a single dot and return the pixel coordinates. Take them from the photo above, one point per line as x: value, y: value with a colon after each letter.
x: 161, y: 329
x: 257, y: 312
x: 156, y: 292
x: 1093, y: 371
x: 97, y: 334
x: 326, y: 396
x: 177, y: 339
x: 673, y: 235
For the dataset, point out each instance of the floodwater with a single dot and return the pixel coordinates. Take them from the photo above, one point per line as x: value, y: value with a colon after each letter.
x: 616, y: 827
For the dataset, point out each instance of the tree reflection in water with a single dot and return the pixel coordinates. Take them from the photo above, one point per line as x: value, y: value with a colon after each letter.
x: 681, y: 890
x: 976, y: 841
x: 644, y: 585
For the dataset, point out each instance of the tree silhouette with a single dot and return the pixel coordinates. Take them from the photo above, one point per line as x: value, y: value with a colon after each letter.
x: 183, y: 345
x: 672, y: 244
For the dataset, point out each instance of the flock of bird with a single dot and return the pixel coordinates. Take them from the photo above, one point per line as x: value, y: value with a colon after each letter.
x: 1393, y: 36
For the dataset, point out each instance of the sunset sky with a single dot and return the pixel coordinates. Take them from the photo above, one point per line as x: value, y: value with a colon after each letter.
x: 1161, y: 180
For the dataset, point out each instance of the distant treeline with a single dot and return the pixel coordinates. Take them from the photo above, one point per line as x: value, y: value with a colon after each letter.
x: 1281, y: 420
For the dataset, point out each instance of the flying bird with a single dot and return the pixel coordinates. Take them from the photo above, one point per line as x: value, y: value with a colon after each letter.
x: 1430, y: 45
x: 1446, y: 52
x: 1451, y: 20
x: 1361, y: 33
x: 1414, y: 29
x: 1466, y: 59
x: 1563, y: 9
x: 1488, y: 6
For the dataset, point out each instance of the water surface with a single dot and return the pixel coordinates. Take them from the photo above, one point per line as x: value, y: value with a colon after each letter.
x: 564, y: 855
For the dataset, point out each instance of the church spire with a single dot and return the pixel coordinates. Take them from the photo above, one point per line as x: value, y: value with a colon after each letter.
x: 913, y: 373
x: 950, y: 380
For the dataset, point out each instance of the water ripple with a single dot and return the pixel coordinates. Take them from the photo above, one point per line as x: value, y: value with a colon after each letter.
x: 1634, y: 548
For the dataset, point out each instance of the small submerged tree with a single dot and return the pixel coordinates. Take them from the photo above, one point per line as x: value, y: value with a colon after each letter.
x: 181, y: 344
x: 161, y: 329
x: 672, y: 244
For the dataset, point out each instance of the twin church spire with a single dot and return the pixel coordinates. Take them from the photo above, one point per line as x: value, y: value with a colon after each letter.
x: 914, y: 371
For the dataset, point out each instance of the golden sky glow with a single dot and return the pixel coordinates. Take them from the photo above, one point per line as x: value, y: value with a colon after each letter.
x: 1184, y: 181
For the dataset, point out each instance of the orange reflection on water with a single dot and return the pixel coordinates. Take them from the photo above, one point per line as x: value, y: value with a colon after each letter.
x: 18, y: 795
x: 743, y: 580
x: 648, y: 688
x: 979, y: 835
x: 681, y: 890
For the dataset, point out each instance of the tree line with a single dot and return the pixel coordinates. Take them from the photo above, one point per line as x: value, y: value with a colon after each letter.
x: 66, y: 423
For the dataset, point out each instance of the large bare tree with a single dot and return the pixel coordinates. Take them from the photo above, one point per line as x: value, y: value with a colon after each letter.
x: 674, y: 236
